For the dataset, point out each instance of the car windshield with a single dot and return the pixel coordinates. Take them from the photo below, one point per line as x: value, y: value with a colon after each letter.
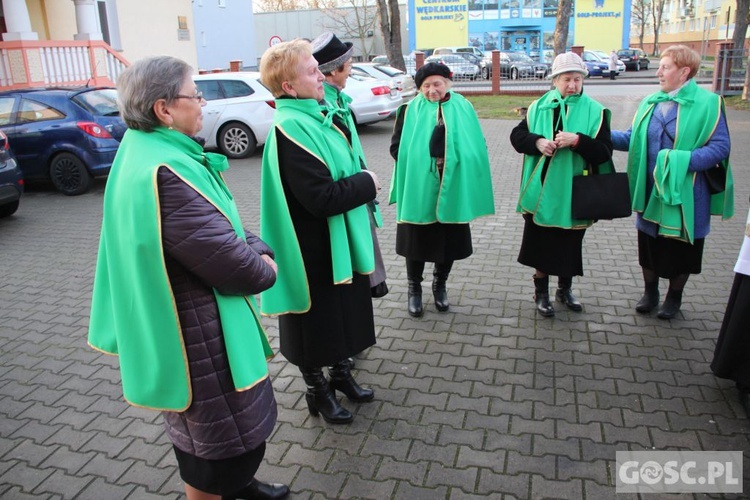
x: 390, y: 71
x: 100, y: 101
x: 521, y: 57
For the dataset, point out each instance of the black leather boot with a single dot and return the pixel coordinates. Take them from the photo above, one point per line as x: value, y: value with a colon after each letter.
x: 342, y: 381
x: 321, y: 400
x: 565, y: 295
x: 650, y: 298
x: 414, y: 270
x: 258, y: 490
x: 541, y: 297
x: 671, y: 305
x: 439, y: 279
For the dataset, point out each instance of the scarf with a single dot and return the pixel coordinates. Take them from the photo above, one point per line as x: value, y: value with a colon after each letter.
x: 133, y: 311
x: 352, y: 250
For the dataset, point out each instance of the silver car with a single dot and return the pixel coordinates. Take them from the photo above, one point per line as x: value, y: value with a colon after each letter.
x: 460, y: 67
x: 403, y: 82
x: 373, y: 100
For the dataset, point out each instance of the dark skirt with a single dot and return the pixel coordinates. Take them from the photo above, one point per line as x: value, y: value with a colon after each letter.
x: 219, y: 477
x: 338, y: 325
x: 733, y: 345
x: 669, y: 257
x: 552, y: 250
x: 437, y: 242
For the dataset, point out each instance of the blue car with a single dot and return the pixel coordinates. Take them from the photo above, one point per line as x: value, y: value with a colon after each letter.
x: 63, y: 135
x: 11, y: 180
x: 597, y: 68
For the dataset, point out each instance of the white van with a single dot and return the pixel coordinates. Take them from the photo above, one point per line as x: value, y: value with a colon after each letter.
x: 450, y: 50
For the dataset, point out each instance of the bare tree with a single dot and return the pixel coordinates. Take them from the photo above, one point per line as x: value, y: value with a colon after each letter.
x: 641, y: 15
x: 356, y: 20
x: 282, y: 5
x: 657, y: 11
x: 740, y: 24
x: 564, y: 10
x: 390, y: 27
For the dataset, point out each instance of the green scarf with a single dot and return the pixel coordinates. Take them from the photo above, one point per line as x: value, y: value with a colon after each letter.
x: 335, y: 98
x: 302, y: 121
x: 133, y: 311
x: 465, y: 190
x: 549, y: 200
x: 671, y: 202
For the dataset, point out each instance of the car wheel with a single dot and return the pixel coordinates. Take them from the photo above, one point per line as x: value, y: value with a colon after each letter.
x: 646, y: 68
x: 69, y: 174
x: 514, y: 74
x: 486, y: 73
x: 638, y: 66
x: 236, y: 140
x: 9, y: 209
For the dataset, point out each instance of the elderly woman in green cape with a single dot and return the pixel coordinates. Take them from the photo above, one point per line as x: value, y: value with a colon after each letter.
x: 173, y: 289
x: 678, y: 167
x: 314, y: 214
x: 440, y: 183
x: 564, y: 133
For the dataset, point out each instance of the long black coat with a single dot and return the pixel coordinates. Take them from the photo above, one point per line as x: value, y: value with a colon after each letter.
x: 339, y: 323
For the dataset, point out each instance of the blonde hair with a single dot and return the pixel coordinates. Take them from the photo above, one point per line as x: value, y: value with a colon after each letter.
x: 279, y: 63
x: 684, y: 57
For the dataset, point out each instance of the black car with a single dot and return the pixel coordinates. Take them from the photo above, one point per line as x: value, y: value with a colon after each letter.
x: 66, y: 135
x: 11, y: 180
x: 635, y: 59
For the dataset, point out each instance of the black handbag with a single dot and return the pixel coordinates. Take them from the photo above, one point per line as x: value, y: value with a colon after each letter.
x: 600, y: 196
x: 716, y: 178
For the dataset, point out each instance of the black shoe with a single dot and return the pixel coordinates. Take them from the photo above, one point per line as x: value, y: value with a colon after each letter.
x: 745, y: 401
x: 648, y: 303
x: 671, y: 306
x: 379, y: 290
x: 565, y: 296
x: 342, y: 381
x: 543, y: 305
x: 257, y: 490
x: 441, y: 296
x: 415, y: 305
x: 321, y: 399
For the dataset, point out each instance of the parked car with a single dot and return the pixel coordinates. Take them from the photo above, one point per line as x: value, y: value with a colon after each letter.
x: 238, y: 114
x: 635, y: 59
x: 599, y: 56
x: 456, y: 50
x: 373, y: 100
x: 66, y: 135
x: 485, y: 67
x: 460, y: 67
x: 11, y: 179
x: 515, y: 65
x: 403, y: 82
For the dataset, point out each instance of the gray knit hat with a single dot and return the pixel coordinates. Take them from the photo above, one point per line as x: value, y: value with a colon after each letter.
x: 568, y: 62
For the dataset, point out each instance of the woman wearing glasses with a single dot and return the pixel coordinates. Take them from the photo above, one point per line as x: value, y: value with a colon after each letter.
x: 173, y: 290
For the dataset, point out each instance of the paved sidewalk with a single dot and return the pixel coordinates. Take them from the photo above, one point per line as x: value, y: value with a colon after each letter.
x: 485, y: 401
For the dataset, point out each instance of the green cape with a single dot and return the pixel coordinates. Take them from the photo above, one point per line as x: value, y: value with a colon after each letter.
x: 338, y: 99
x: 671, y: 203
x: 352, y: 250
x: 133, y: 310
x: 550, y: 201
x: 465, y: 190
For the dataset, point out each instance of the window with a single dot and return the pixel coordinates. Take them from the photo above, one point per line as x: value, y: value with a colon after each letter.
x: 236, y: 88
x: 6, y: 109
x: 210, y: 88
x: 713, y: 21
x: 100, y: 102
x: 32, y: 111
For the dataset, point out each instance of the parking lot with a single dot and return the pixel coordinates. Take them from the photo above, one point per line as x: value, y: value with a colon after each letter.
x: 488, y: 400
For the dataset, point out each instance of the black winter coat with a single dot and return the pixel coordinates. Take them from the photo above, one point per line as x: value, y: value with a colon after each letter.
x: 203, y: 252
x: 339, y: 323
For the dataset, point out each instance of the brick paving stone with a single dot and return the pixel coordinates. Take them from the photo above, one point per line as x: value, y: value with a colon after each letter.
x: 493, y: 484
x: 29, y: 452
x: 545, y: 488
x: 64, y: 484
x: 98, y: 489
x: 356, y: 487
x: 142, y: 474
x: 23, y: 476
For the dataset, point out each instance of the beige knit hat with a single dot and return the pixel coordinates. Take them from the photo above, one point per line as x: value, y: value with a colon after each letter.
x: 568, y: 62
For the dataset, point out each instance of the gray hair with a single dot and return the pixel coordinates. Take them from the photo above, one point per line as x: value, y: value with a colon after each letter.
x: 144, y: 83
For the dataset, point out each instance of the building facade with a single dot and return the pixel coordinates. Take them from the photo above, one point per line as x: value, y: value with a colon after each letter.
x: 224, y: 32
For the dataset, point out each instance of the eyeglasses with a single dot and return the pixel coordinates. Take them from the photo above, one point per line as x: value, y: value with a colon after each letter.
x: 198, y: 97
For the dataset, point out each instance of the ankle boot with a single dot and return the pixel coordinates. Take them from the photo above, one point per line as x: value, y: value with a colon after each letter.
x: 414, y: 270
x: 321, y: 400
x: 258, y: 490
x: 541, y: 297
x: 650, y: 298
x: 565, y: 295
x: 439, y: 279
x: 342, y: 381
x: 671, y: 305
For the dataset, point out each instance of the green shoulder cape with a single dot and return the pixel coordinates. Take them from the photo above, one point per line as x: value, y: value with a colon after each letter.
x: 671, y: 203
x: 465, y: 190
x: 338, y: 99
x: 550, y: 201
x: 133, y: 310
x: 302, y: 121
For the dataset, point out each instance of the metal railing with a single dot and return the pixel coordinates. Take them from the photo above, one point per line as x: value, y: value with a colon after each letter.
x: 729, y: 71
x: 25, y: 64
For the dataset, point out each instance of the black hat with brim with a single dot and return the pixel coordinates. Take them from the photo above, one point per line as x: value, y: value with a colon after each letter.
x: 330, y: 52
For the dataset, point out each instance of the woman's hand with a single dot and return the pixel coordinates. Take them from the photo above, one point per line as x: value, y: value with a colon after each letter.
x: 566, y: 140
x: 268, y: 260
x: 546, y: 147
x: 374, y: 179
